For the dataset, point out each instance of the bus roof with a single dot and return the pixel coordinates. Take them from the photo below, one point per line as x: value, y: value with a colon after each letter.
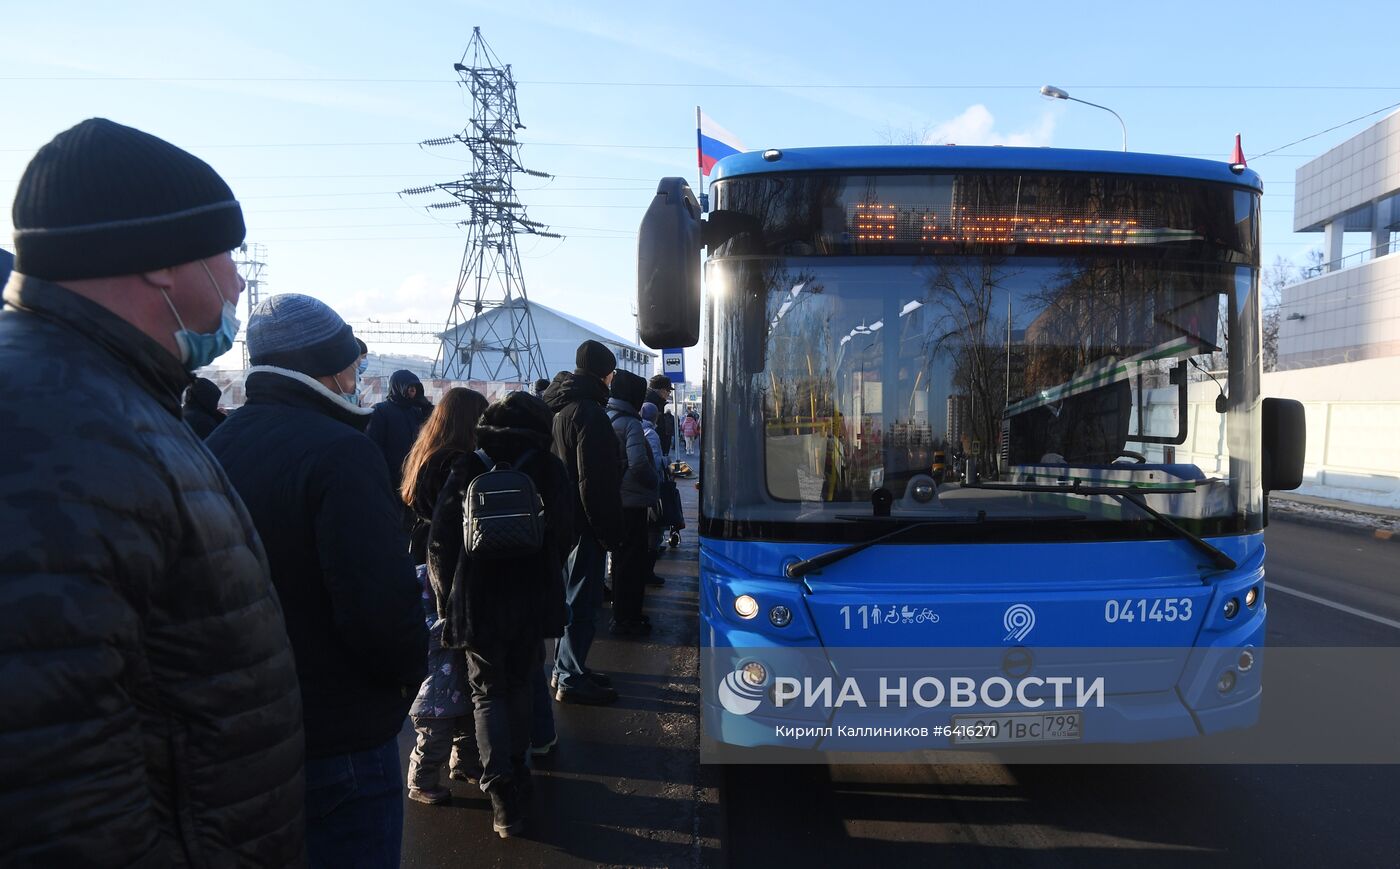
x: 961, y: 157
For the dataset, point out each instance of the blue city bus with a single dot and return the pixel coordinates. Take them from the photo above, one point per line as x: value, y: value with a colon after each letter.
x: 1071, y: 337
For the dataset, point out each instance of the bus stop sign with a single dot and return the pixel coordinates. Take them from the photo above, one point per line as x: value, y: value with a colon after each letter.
x: 673, y: 365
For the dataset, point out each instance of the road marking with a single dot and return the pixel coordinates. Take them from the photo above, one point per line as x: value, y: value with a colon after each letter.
x: 1350, y: 610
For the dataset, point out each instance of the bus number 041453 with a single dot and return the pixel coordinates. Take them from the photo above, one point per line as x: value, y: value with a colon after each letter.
x: 1169, y: 609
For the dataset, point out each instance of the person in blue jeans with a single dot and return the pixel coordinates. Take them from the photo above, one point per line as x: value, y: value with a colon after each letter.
x: 354, y: 808
x: 584, y: 440
x: 318, y: 492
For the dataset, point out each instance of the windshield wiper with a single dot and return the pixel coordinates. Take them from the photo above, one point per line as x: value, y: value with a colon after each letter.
x: 800, y: 568
x: 1133, y: 495
x: 1218, y: 558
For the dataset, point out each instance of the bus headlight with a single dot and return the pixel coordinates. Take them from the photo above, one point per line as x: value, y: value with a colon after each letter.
x: 780, y: 616
x: 1232, y: 606
x: 1226, y: 683
x: 745, y: 606
x: 1251, y: 597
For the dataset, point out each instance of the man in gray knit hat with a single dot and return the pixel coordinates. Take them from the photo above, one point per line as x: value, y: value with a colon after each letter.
x: 319, y: 494
x: 152, y: 714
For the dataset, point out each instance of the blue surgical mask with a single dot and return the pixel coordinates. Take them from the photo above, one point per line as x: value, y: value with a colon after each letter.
x: 353, y: 396
x: 364, y: 366
x: 198, y: 349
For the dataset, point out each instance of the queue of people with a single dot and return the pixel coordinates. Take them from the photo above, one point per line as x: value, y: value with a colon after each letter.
x: 217, y: 625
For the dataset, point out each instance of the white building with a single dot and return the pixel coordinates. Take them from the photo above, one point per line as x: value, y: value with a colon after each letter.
x: 559, y: 336
x: 1350, y: 309
x: 385, y: 364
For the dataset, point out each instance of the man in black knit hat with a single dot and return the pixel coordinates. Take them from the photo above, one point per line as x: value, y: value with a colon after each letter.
x: 152, y: 714
x: 584, y: 439
x: 318, y: 491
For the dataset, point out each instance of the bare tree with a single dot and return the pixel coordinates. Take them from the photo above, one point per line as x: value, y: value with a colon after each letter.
x: 889, y: 134
x: 1280, y: 274
x: 1313, y: 262
x: 964, y: 325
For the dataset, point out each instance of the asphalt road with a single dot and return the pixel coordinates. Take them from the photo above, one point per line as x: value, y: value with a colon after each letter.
x: 1329, y: 586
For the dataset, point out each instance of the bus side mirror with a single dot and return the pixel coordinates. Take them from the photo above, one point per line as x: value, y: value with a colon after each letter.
x: 668, y: 267
x: 1285, y: 440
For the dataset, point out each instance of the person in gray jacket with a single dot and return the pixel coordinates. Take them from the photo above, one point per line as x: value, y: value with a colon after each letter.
x: 152, y: 714
x: 640, y: 492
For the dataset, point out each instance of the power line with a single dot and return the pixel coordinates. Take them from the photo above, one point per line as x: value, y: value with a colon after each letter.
x: 262, y: 229
x: 456, y: 238
x: 1328, y: 130
x: 544, y: 205
x: 700, y: 84
x: 395, y: 192
x: 689, y: 147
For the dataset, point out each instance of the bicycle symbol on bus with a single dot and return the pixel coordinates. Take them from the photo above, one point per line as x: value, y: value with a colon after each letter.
x: 874, y: 615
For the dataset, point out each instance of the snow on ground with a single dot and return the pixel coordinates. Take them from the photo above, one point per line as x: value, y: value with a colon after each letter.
x: 1356, y: 515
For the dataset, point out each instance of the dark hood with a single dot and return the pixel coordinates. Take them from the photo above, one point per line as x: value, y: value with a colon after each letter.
x: 629, y: 387
x: 204, y: 394
x: 401, y: 380
x: 569, y: 388
x: 512, y: 424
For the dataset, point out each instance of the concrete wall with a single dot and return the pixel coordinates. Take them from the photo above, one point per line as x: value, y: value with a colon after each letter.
x: 1353, y: 417
x: 1353, y: 422
x: 1359, y: 170
x: 1348, y: 315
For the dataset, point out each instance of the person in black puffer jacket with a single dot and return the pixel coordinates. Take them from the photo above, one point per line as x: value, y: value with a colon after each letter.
x: 498, y: 610
x: 151, y: 712
x: 584, y: 440
x: 319, y: 494
x: 201, y: 407
x: 640, y: 492
x: 395, y: 422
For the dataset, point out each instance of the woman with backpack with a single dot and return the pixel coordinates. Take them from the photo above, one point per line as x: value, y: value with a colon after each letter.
x: 500, y: 532
x: 442, y: 711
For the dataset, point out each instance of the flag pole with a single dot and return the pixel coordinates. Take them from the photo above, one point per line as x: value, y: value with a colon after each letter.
x: 700, y: 165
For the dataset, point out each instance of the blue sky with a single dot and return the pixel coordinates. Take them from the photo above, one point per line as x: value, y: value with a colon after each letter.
x: 316, y: 159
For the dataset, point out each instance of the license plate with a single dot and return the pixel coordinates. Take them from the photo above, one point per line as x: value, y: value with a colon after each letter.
x: 1017, y: 727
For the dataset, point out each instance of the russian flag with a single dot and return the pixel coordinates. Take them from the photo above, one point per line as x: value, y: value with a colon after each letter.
x: 714, y: 142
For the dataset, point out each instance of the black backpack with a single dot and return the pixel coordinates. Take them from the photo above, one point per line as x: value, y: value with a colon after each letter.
x: 502, y: 513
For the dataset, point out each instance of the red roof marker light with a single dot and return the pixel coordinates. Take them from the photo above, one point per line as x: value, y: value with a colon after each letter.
x: 1237, y: 164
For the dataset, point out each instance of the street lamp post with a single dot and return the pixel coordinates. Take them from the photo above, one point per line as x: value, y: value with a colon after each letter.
x: 1050, y: 92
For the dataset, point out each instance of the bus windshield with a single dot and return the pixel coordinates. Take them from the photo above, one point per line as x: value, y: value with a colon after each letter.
x: 843, y: 365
